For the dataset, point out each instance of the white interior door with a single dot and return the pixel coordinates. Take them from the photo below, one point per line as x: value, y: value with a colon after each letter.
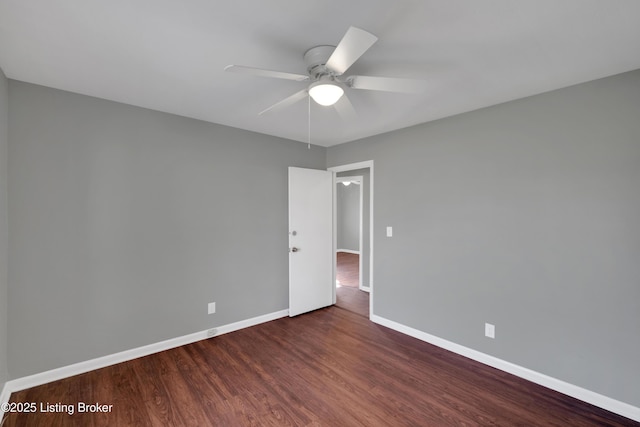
x: 310, y: 240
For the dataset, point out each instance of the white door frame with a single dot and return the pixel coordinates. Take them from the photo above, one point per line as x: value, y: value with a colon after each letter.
x: 359, y: 180
x: 344, y: 168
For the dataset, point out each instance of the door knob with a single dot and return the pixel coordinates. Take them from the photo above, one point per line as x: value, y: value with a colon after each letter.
x: 294, y: 249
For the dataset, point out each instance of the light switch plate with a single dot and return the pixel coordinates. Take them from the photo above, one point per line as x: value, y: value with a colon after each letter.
x: 489, y: 330
x: 211, y: 307
x: 389, y: 231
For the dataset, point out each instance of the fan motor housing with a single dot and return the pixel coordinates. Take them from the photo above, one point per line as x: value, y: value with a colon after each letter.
x: 316, y: 59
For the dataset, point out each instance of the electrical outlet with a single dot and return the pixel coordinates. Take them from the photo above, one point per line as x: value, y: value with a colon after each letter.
x: 211, y: 307
x: 389, y: 231
x: 211, y: 332
x: 489, y: 330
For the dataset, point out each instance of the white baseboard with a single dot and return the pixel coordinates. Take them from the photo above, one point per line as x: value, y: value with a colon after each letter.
x: 101, y: 362
x: 616, y: 406
x: 349, y: 251
x: 365, y: 288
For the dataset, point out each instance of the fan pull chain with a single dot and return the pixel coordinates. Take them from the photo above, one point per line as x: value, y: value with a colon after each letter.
x: 309, y: 121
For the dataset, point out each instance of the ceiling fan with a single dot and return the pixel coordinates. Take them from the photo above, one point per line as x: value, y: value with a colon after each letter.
x: 326, y: 66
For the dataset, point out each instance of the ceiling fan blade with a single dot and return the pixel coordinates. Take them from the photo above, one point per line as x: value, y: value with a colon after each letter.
x: 298, y: 96
x: 387, y: 84
x: 354, y: 43
x: 345, y: 109
x: 241, y: 69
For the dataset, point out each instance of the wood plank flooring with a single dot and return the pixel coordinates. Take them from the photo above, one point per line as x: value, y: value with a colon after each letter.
x: 347, y: 269
x: 353, y: 299
x: 329, y: 367
x: 348, y: 296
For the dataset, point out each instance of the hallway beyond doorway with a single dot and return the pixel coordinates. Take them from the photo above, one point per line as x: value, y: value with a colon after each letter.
x: 348, y: 296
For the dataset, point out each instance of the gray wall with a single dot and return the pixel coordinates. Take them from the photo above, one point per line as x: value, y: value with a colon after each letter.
x: 524, y: 215
x: 365, y: 250
x: 4, y: 141
x: 126, y: 222
x: 348, y: 216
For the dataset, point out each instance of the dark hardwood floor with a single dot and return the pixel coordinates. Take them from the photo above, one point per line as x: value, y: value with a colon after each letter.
x: 330, y: 367
x: 353, y: 299
x: 347, y: 269
x: 348, y: 296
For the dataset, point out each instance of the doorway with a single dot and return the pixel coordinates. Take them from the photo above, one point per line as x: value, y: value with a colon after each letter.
x: 349, y: 241
x: 349, y: 210
x: 353, y: 237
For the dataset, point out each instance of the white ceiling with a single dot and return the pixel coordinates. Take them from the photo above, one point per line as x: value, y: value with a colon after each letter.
x: 169, y: 55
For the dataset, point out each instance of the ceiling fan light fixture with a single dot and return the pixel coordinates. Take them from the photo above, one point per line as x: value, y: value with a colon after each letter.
x: 325, y: 93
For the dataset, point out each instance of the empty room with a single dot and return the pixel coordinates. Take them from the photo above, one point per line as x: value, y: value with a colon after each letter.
x: 363, y: 213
